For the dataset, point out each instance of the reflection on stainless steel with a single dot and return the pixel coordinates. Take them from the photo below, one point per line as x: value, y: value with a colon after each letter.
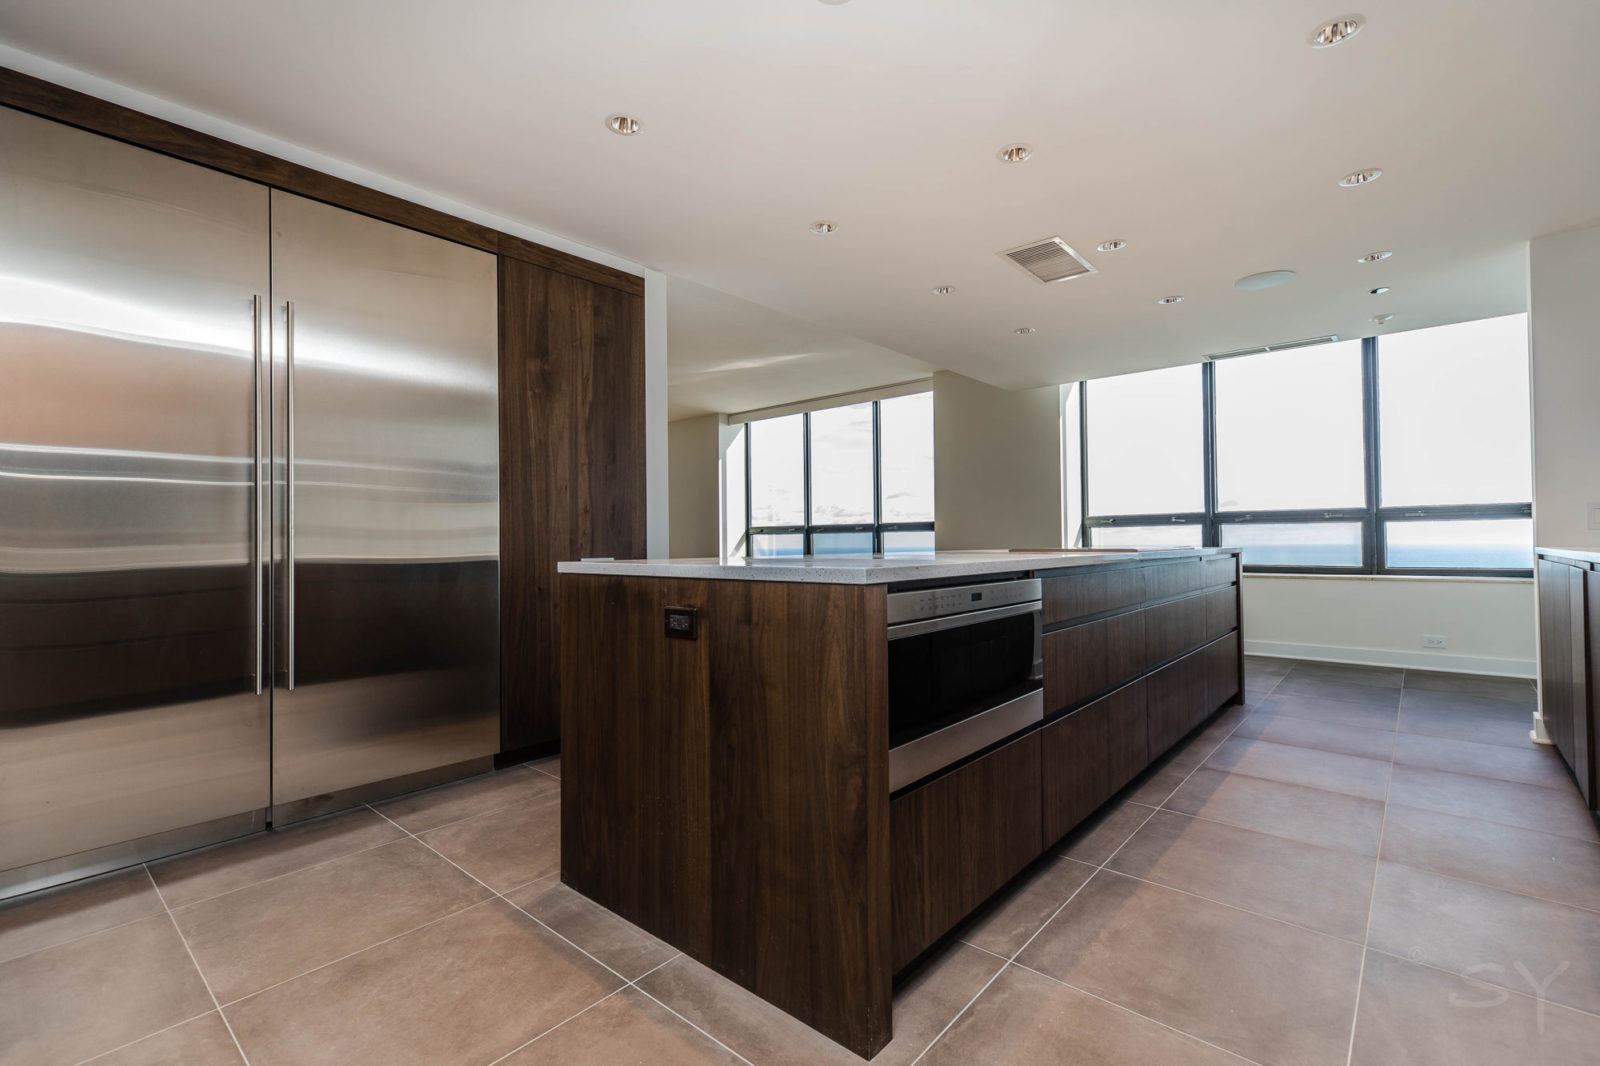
x: 391, y: 542
x: 127, y: 283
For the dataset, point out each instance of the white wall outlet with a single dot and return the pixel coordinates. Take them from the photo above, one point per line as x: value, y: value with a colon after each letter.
x: 1434, y: 640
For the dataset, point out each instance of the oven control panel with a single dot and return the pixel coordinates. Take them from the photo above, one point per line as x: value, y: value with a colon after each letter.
x: 959, y: 599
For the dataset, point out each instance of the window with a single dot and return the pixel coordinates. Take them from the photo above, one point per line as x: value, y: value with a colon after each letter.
x: 1403, y: 454
x: 852, y: 480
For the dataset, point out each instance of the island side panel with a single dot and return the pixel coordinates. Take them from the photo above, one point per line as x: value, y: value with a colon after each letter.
x: 730, y: 794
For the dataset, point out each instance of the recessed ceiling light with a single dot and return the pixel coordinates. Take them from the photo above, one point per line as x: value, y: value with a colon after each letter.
x: 1023, y: 331
x: 1378, y: 320
x: 1016, y: 153
x: 1360, y: 177
x: 1265, y: 280
x: 1170, y: 300
x: 1113, y: 245
x: 1380, y: 290
x: 833, y: 1
x: 626, y: 125
x: 824, y: 227
x: 1339, y: 30
x: 938, y: 290
x: 1374, y: 257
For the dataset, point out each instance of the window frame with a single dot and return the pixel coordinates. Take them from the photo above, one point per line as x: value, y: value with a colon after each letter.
x: 877, y: 527
x: 1373, y: 517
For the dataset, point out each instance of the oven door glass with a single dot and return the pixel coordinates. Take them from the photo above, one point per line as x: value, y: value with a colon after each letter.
x: 936, y: 679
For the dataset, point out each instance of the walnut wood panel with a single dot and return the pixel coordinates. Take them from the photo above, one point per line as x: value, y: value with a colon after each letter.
x: 1083, y: 661
x: 1091, y: 590
x: 730, y: 794
x: 959, y: 838
x: 1175, y: 578
x: 1089, y: 754
x: 1586, y: 709
x: 1177, y: 696
x: 1175, y: 627
x: 1557, y: 695
x: 1222, y: 611
x: 1219, y: 570
x: 52, y: 101
x: 1223, y: 674
x: 572, y: 466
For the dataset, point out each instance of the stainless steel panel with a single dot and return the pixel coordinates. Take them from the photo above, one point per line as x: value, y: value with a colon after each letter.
x: 918, y: 758
x: 395, y: 501
x: 128, y: 581
x: 921, y: 604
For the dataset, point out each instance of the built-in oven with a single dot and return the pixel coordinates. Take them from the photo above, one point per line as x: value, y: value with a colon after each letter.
x: 965, y: 671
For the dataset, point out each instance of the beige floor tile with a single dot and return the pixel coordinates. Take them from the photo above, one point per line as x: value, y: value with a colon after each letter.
x: 1152, y: 787
x: 508, y: 847
x: 932, y: 997
x: 205, y: 1041
x: 470, y: 988
x: 1106, y: 830
x: 1378, y: 677
x: 1547, y: 865
x: 1006, y: 923
x: 1443, y: 714
x: 269, y: 932
x: 43, y: 919
x: 421, y: 811
x: 1330, y: 771
x: 1313, y: 815
x: 1258, y: 987
x: 1322, y: 736
x: 1415, y: 1016
x: 1530, y: 765
x: 212, y: 871
x: 1320, y: 888
x: 627, y: 1029
x: 1321, y: 709
x: 1495, y: 936
x: 1518, y: 690
x: 618, y: 943
x: 97, y: 993
x: 1373, y: 697
x: 1528, y: 806
x: 1025, y: 1019
x: 551, y: 766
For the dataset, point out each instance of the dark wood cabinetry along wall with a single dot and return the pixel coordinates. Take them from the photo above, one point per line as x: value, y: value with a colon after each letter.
x: 572, y: 407
x: 1569, y: 643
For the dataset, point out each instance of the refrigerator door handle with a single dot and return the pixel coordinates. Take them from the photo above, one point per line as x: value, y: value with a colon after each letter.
x: 288, y: 487
x: 257, y: 512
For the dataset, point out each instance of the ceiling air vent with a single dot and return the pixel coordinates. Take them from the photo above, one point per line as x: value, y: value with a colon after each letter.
x: 1262, y: 349
x: 1050, y: 260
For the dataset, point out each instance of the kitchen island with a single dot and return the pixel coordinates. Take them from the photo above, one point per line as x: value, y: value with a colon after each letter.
x: 726, y: 748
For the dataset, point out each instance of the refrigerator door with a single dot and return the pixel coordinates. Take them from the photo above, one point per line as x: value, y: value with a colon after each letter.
x: 385, y: 402
x: 130, y: 561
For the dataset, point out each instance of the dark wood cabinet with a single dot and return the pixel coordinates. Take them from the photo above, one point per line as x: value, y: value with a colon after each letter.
x: 1177, y: 700
x: 1085, y: 660
x: 1094, y: 590
x: 1173, y: 628
x: 1222, y: 611
x: 572, y: 458
x: 956, y: 840
x: 1089, y: 754
x: 1224, y: 671
x: 1569, y: 610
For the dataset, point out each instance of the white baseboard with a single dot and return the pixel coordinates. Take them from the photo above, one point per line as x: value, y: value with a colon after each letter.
x: 1413, y: 660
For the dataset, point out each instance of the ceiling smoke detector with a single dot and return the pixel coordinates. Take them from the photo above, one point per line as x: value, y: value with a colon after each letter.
x: 1016, y: 153
x: 1169, y: 300
x: 1114, y: 245
x: 824, y: 227
x: 1051, y: 259
x: 1374, y: 257
x: 1378, y: 320
x: 1338, y: 31
x: 626, y: 125
x: 942, y: 290
x: 1023, y: 331
x: 1267, y: 279
x: 1360, y: 177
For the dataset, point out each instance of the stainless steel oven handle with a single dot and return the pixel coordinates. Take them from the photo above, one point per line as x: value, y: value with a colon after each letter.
x: 288, y: 486
x: 957, y: 621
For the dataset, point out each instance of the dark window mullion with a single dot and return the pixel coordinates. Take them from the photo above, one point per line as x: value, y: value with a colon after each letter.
x: 1374, y: 545
x: 1208, y: 451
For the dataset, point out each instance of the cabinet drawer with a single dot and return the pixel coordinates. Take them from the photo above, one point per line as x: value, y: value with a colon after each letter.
x: 1170, y: 629
x: 1174, y: 579
x: 1089, y: 754
x: 1083, y: 661
x: 1176, y: 697
x: 957, y: 839
x: 1222, y: 671
x: 1094, y: 590
x: 1222, y: 611
x: 1220, y: 570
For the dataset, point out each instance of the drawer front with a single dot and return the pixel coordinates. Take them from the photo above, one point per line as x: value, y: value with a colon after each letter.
x: 1222, y: 611
x: 1177, y: 696
x: 1222, y: 671
x: 1083, y: 661
x: 957, y: 839
x: 1092, y: 591
x: 1172, y: 628
x: 1220, y: 570
x: 1175, y: 578
x: 1089, y: 754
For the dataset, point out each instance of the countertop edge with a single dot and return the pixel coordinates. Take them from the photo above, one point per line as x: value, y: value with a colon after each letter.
x: 1571, y: 555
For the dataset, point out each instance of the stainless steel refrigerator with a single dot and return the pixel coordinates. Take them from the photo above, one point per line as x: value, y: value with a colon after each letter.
x: 249, y: 538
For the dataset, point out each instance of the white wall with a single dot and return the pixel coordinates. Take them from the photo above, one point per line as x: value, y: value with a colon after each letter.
x: 656, y: 477
x: 1381, y: 621
x: 997, y: 465
x: 696, y: 498
x: 1564, y: 352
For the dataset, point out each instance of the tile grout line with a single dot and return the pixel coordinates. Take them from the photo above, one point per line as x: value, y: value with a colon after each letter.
x: 1498, y: 988
x: 205, y: 981
x: 1372, y: 896
x: 165, y: 1029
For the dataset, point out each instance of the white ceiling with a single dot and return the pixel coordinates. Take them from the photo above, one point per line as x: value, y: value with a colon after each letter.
x: 1209, y: 136
x: 725, y: 354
